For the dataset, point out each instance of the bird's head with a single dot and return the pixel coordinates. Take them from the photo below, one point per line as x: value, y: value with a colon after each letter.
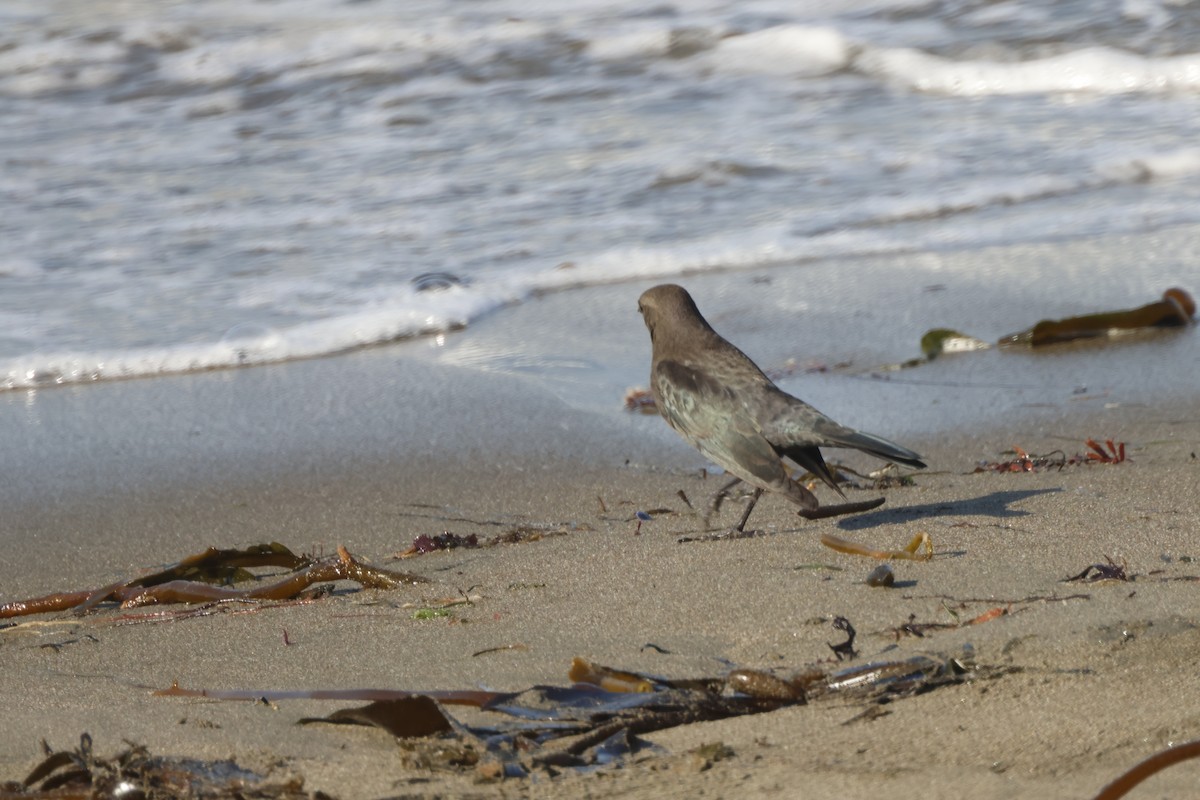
x: 669, y: 306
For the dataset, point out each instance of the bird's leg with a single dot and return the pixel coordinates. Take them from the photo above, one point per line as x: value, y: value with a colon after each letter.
x: 719, y: 498
x: 749, y: 507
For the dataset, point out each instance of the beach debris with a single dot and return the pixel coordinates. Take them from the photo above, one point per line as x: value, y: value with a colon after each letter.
x: 640, y: 400
x: 641, y: 516
x: 135, y: 773
x: 919, y: 629
x: 884, y: 681
x: 463, y: 598
x: 607, y: 678
x: 886, y: 477
x: 1024, y: 462
x: 598, y: 718
x: 424, y: 543
x: 756, y: 683
x: 205, y: 578
x: 1057, y: 459
x: 989, y: 615
x: 919, y: 548
x: 501, y: 649
x: 944, y: 340
x: 1095, y: 573
x: 423, y: 614
x: 953, y: 605
x: 844, y: 650
x: 704, y: 756
x: 1175, y: 309
x: 1114, y: 455
x: 1147, y: 767
x: 403, y: 717
x: 442, y: 541
x: 882, y: 575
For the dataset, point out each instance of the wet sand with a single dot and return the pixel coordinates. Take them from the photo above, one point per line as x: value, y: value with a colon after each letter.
x: 373, y: 449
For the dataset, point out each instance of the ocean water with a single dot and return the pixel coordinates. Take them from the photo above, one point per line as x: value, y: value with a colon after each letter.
x: 190, y: 185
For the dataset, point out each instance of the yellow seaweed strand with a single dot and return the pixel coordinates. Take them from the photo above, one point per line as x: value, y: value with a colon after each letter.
x: 919, y: 549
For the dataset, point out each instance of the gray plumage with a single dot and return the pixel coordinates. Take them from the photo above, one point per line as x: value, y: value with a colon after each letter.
x: 717, y: 399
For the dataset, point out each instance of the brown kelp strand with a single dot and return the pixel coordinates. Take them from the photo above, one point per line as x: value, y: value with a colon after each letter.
x: 599, y: 717
x: 1150, y: 766
x: 1175, y: 309
x: 200, y: 579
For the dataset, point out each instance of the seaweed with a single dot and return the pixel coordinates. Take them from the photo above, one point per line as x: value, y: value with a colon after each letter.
x: 919, y: 548
x: 1175, y: 309
x: 1094, y: 573
x: 204, y: 578
x: 1147, y: 767
x: 600, y: 716
x: 134, y: 773
x: 447, y: 540
x: 1111, y: 452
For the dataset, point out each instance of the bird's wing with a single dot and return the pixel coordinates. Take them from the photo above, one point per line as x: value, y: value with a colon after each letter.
x: 712, y: 418
x: 794, y: 427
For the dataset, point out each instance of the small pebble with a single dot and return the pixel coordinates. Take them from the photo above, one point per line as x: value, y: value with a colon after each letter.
x: 881, y: 576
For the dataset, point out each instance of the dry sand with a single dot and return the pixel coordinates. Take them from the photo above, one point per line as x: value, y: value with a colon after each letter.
x: 1099, y: 683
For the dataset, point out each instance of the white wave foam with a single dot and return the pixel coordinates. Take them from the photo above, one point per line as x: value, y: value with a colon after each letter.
x: 876, y: 227
x: 252, y: 343
x: 1095, y: 69
x: 1173, y: 164
x: 795, y: 50
x: 344, y: 48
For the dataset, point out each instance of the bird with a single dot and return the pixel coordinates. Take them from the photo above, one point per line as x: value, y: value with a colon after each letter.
x: 722, y: 404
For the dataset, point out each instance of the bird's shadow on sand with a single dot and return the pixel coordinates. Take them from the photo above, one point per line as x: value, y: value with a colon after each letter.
x: 994, y: 505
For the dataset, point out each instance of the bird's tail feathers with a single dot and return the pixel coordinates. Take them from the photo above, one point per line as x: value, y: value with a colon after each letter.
x: 810, y: 459
x: 878, y: 447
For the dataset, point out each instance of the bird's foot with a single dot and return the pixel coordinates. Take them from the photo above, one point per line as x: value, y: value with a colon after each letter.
x: 725, y: 535
x: 821, y: 512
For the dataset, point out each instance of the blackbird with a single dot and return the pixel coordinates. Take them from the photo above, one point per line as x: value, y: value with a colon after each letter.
x: 717, y: 399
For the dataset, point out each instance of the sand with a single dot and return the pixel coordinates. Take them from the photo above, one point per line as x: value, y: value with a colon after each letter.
x: 373, y: 449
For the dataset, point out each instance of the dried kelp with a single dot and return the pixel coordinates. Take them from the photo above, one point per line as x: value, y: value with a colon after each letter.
x: 404, y: 717
x: 952, y: 606
x: 1150, y: 766
x: 1024, y: 462
x: 600, y: 716
x: 202, y: 578
x: 452, y: 541
x: 1115, y: 454
x: 641, y: 401
x: 1057, y: 459
x: 1095, y: 573
x: 134, y: 773
x: 919, y: 548
x: 442, y: 541
x: 844, y: 651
